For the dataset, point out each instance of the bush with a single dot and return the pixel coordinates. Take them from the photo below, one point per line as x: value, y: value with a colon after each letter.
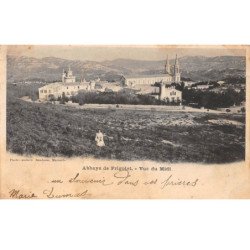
x: 52, y: 98
x: 118, y: 98
x: 81, y: 103
x: 211, y: 100
x: 66, y: 150
x: 64, y: 98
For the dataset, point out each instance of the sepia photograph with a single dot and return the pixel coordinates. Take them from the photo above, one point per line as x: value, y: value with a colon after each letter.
x: 124, y: 124
x: 127, y: 103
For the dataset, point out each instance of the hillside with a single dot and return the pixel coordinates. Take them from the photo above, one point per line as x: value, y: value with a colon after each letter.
x: 50, y: 68
x: 42, y: 129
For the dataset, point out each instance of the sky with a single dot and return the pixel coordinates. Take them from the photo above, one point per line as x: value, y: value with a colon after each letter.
x: 103, y: 53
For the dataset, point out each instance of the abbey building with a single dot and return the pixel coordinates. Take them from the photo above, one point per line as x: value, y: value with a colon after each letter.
x: 67, y: 87
x: 158, y: 85
x: 171, y: 75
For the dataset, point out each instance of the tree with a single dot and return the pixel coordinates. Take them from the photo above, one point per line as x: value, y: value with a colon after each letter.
x: 180, y: 86
x: 64, y: 98
x: 51, y: 98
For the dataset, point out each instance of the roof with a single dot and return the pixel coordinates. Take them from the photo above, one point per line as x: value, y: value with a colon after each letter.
x: 65, y: 84
x: 53, y: 84
x: 147, y: 76
x: 74, y: 83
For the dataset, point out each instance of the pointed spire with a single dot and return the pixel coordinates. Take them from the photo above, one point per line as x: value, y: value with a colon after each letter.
x: 176, y: 71
x: 176, y: 60
x: 167, y: 66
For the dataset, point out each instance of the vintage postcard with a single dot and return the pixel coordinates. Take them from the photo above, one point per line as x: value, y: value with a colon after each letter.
x: 137, y: 122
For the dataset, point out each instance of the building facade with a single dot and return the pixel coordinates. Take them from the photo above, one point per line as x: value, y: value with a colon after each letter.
x: 68, y: 87
x: 170, y: 94
x: 172, y: 74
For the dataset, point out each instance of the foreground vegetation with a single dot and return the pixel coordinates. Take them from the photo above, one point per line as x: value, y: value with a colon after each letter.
x: 58, y: 130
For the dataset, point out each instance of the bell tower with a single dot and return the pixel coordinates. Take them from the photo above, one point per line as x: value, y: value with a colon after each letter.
x: 68, y: 76
x: 177, y: 75
x: 167, y: 67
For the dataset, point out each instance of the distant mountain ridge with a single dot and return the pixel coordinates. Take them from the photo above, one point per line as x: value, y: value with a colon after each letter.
x: 194, y: 67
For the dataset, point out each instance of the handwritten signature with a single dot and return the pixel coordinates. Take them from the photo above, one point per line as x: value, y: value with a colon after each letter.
x: 119, y: 178
x: 51, y: 194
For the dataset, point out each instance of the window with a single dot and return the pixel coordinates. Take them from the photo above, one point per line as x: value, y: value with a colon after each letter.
x: 41, y: 91
x: 67, y: 87
x: 45, y: 91
x: 78, y: 87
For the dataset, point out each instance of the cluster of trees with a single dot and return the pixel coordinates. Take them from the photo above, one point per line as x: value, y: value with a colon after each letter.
x: 62, y: 99
x: 213, y: 100
x: 23, y: 90
x: 207, y: 99
x: 234, y: 80
x: 122, y: 97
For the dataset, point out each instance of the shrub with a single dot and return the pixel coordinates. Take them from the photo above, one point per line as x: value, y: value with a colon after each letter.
x: 51, y: 98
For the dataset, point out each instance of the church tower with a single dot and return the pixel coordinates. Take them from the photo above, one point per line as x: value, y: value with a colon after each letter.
x: 67, y: 76
x: 177, y: 75
x: 167, y: 67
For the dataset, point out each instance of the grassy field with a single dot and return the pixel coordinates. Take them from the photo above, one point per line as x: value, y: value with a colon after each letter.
x: 59, y: 130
